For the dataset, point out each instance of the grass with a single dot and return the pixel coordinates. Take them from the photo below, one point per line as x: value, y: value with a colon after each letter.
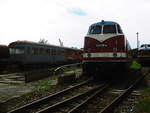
x: 44, y: 83
x: 72, y: 68
x: 135, y: 65
x: 143, y: 105
x: 147, y: 91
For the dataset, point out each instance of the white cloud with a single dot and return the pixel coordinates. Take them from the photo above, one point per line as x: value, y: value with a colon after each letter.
x: 51, y: 19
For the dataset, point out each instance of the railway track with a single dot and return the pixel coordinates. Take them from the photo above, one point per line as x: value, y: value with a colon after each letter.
x: 109, y: 108
x: 105, y: 102
x: 82, y: 98
x: 59, y: 98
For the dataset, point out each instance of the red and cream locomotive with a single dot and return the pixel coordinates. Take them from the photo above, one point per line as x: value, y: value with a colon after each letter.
x: 144, y: 55
x: 105, y: 48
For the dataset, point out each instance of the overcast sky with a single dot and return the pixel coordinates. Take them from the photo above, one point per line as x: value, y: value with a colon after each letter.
x: 69, y: 19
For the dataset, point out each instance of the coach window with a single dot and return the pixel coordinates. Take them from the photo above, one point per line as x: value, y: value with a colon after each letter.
x: 57, y: 52
x: 41, y: 51
x: 28, y: 50
x: 54, y: 51
x: 95, y: 30
x: 50, y: 51
x: 12, y: 51
x: 109, y: 29
x: 20, y: 51
x: 35, y: 51
x: 62, y: 52
x: 17, y: 51
x: 32, y: 51
x: 47, y: 51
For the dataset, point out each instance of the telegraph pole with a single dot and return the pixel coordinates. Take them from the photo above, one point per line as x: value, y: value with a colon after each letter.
x: 137, y: 40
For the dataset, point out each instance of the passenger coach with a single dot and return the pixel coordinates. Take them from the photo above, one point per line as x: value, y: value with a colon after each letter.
x: 32, y: 53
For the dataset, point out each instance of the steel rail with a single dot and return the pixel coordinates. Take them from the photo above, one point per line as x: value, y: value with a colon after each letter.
x: 119, y: 99
x: 47, y: 98
x: 84, y: 103
x: 62, y: 103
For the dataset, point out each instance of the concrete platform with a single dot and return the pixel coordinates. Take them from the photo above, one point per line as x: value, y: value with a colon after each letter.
x: 8, y: 92
x: 12, y: 86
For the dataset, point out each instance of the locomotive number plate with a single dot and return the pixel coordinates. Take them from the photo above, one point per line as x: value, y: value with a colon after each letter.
x: 101, y: 45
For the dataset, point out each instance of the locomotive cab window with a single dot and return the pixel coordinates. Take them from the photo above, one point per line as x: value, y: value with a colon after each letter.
x: 148, y: 46
x: 109, y: 29
x: 95, y: 30
x: 142, y: 45
x: 145, y: 46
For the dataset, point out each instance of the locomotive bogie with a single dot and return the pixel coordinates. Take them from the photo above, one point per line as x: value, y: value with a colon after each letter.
x: 105, y: 70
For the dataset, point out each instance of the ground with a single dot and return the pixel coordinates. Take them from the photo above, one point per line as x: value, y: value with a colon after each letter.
x: 15, y: 92
x: 13, y: 86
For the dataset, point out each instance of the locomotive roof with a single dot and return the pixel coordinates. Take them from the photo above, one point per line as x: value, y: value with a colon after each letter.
x: 38, y: 44
x: 104, y: 23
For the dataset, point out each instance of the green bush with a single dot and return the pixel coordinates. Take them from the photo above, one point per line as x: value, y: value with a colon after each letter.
x: 135, y: 65
x: 147, y: 91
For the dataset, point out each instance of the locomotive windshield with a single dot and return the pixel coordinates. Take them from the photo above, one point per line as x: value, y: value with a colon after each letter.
x: 109, y: 29
x: 105, y: 29
x: 95, y: 30
x: 145, y: 46
x: 119, y: 29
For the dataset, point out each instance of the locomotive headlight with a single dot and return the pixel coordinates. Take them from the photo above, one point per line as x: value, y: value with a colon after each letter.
x: 115, y: 54
x: 89, y: 55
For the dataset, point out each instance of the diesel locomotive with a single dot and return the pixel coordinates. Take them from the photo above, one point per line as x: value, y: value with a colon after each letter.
x: 105, y: 48
x: 144, y: 55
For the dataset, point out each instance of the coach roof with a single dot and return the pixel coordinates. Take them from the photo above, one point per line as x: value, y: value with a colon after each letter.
x: 12, y: 44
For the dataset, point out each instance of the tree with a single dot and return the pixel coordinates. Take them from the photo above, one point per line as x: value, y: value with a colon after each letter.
x: 43, y: 41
